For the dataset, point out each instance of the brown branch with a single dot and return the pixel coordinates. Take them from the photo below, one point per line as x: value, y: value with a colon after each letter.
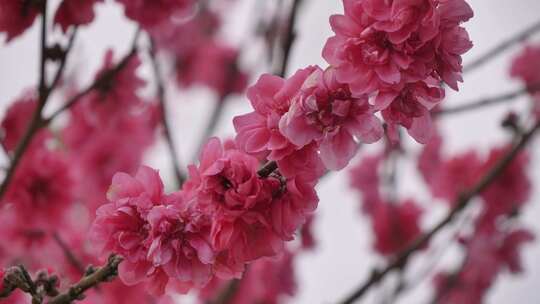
x: 501, y: 47
x: 68, y: 253
x: 180, y: 178
x: 289, y: 38
x: 485, y: 102
x: 100, y: 275
x: 36, y: 120
x: 378, y: 274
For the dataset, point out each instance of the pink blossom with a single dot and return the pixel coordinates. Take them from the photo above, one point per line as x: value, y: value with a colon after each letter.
x: 226, y: 185
x: 42, y: 186
x: 214, y: 65
x: 325, y: 112
x: 380, y: 43
x: 180, y: 244
x: 258, y: 132
x: 409, y: 105
x: 267, y: 280
x: 430, y: 159
x: 525, y: 67
x: 16, y: 122
x: 17, y: 16
x: 75, y: 12
x: 121, y: 226
x: 395, y: 226
x: 456, y: 175
x: 149, y: 13
x: 365, y: 178
x: 512, y: 188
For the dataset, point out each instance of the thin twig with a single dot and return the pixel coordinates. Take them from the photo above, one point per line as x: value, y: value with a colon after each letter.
x: 288, y: 38
x: 378, y: 274
x: 36, y: 120
x: 180, y: 178
x: 68, y: 253
x: 501, y: 47
x: 100, y: 275
x: 485, y: 102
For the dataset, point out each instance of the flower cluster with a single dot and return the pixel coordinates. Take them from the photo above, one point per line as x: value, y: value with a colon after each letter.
x: 400, y: 52
x: 225, y: 216
x: 395, y: 224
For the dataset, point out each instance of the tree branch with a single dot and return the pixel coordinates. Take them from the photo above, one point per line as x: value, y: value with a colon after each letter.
x: 100, y: 275
x: 180, y: 178
x: 288, y: 39
x: 378, y: 274
x: 485, y: 102
x: 501, y: 47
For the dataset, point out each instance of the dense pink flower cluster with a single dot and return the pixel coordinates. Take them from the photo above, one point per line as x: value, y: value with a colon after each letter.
x: 150, y: 13
x: 395, y: 224
x: 225, y: 216
x: 526, y: 67
x: 400, y: 52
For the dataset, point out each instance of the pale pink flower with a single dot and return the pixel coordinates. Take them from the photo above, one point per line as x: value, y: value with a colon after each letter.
x: 17, y: 16
x: 365, y: 178
x: 75, y: 13
x: 325, y: 112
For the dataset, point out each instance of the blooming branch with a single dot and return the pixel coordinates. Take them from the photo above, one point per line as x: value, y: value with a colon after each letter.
x: 463, y: 201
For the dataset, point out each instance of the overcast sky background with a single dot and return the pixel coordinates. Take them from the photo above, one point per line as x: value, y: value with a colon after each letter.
x: 343, y: 258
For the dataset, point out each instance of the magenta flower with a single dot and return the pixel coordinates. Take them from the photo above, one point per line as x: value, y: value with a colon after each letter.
x: 121, y: 226
x: 395, y: 226
x: 179, y: 244
x: 17, y: 16
x: 17, y: 120
x: 42, y: 187
x: 409, y: 106
x: 258, y: 132
x: 226, y: 185
x: 526, y: 67
x: 75, y: 12
x: 325, y: 112
x: 380, y: 43
x: 512, y: 189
